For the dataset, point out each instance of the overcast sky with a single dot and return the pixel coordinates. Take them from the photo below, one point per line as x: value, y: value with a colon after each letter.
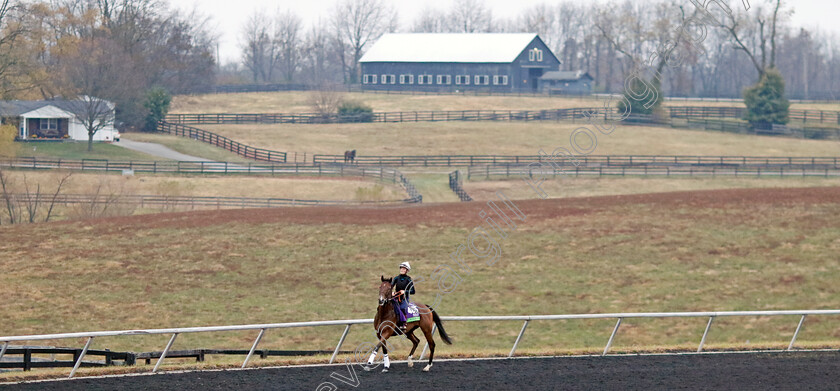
x: 229, y: 15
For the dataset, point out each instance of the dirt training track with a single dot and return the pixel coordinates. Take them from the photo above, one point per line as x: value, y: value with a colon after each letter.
x: 465, y: 213
x: 733, y: 371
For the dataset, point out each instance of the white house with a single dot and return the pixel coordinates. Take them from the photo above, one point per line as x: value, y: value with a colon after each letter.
x: 55, y: 119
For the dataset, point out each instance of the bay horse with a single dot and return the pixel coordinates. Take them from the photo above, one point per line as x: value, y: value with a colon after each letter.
x: 350, y: 156
x: 385, y: 324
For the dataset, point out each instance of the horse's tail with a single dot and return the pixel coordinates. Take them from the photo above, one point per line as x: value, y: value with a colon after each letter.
x: 439, y: 324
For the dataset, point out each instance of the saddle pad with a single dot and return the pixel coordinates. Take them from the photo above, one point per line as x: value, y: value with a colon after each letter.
x: 413, y: 314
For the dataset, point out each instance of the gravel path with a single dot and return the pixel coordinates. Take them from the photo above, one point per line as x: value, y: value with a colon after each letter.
x: 158, y: 150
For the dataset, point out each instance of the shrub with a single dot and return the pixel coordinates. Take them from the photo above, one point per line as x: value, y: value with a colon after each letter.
x: 157, y: 103
x: 350, y: 111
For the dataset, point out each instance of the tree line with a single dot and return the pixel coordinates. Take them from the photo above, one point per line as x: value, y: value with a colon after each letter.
x: 122, y: 51
x: 607, y: 40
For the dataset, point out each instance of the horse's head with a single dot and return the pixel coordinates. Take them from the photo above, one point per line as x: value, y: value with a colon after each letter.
x: 384, y: 291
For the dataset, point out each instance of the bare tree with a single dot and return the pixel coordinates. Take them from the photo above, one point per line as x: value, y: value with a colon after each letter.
x: 431, y: 20
x: 767, y: 26
x: 287, y: 28
x: 470, y: 16
x: 357, y: 23
x: 259, y: 49
x: 10, y: 31
x: 318, y: 50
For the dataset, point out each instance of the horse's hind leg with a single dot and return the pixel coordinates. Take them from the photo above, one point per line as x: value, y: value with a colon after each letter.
x: 431, y: 340
x: 414, y: 340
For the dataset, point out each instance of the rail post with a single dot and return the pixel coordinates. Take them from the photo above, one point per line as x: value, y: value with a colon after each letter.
x: 796, y: 333
x: 3, y: 350
x: 253, y: 347
x: 705, y: 334
x: 612, y: 337
x: 165, y: 351
x: 340, y: 342
x: 81, y: 357
x: 518, y: 338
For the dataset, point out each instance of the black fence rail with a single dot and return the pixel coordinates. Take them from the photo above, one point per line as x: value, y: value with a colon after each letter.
x: 591, y: 160
x: 200, y: 354
x: 26, y: 361
x: 687, y: 112
x: 508, y: 171
x: 190, y: 202
x: 222, y: 142
x: 791, y: 130
x: 456, y: 184
x: 382, y: 117
x: 384, y: 174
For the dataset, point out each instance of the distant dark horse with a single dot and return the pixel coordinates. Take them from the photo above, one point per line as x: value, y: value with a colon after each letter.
x: 350, y: 156
x: 385, y: 324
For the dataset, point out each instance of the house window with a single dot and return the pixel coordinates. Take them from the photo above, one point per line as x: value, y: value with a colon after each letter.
x: 425, y: 79
x: 462, y: 79
x: 48, y: 124
x: 535, y: 55
x: 500, y: 80
x: 444, y: 79
x: 406, y: 79
x: 389, y: 79
x: 482, y: 80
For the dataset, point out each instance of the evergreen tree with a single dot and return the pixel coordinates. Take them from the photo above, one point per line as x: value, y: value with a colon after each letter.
x: 766, y: 102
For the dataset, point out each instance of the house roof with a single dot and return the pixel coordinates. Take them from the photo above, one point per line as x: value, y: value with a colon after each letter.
x: 566, y: 75
x: 433, y: 47
x: 17, y: 108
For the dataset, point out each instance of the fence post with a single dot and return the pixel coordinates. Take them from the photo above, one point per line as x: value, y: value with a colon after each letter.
x: 165, y: 350
x: 796, y: 333
x: 27, y: 360
x: 340, y: 342
x: 81, y: 357
x: 518, y: 338
x: 253, y: 347
x: 612, y: 337
x: 705, y: 333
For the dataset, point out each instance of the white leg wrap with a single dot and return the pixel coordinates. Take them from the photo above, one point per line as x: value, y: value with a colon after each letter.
x: 410, y: 362
x: 387, y: 362
x: 372, y: 357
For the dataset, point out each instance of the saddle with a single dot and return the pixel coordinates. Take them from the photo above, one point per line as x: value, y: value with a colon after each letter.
x: 412, y: 313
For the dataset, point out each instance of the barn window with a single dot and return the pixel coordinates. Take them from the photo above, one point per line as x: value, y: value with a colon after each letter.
x: 48, y: 124
x: 406, y: 79
x: 535, y: 55
x: 369, y: 79
x: 425, y: 79
x: 444, y: 79
x: 482, y: 80
x: 462, y: 79
x: 500, y: 80
x: 389, y: 79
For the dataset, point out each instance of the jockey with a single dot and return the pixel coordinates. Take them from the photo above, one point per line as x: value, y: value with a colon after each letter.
x: 403, y: 287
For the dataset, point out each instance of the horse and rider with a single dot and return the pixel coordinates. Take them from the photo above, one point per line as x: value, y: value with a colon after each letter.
x: 391, y: 319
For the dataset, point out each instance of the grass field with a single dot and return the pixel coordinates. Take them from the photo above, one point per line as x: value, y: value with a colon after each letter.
x: 587, y: 187
x: 298, y: 102
x: 741, y: 250
x: 207, y: 185
x: 505, y: 138
x: 78, y: 150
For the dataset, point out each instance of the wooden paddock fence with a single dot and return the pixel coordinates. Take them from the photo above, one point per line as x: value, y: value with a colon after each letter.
x: 384, y: 174
x: 687, y: 112
x: 507, y: 171
x: 587, y: 161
